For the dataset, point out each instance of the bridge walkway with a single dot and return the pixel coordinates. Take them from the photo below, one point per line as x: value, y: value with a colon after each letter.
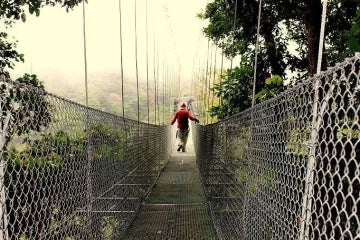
x: 176, y: 208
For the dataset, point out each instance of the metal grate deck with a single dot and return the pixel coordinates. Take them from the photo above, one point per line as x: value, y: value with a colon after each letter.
x: 176, y: 208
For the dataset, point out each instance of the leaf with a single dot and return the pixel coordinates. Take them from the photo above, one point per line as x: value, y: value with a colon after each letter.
x: 354, y: 44
x: 268, y: 81
x: 23, y: 17
x: 276, y: 79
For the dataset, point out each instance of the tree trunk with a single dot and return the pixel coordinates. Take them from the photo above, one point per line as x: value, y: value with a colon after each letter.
x: 312, y: 19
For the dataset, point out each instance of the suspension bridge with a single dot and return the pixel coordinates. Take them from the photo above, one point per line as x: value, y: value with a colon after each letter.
x: 286, y: 168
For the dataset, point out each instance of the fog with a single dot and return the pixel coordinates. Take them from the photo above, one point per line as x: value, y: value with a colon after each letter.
x: 53, y: 42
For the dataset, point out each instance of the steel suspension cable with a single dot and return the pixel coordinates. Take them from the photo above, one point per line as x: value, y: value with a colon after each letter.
x: 198, y: 89
x: 157, y: 82
x: 147, y: 64
x: 122, y: 64
x: 309, y: 177
x: 163, y: 90
x: 169, y: 91
x: 154, y: 65
x: 88, y: 147
x: 85, y: 57
x: 221, y: 72
x: 206, y: 78
x: 136, y: 63
x: 233, y: 40
x: 322, y: 36
x: 210, y: 76
x: 179, y: 84
x: 203, y: 90
x: 212, y: 101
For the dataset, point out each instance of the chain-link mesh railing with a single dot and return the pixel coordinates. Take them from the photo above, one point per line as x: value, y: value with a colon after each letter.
x: 70, y: 172
x: 289, y: 168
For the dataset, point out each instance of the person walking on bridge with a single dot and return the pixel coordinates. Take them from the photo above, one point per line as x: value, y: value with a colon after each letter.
x: 182, y: 117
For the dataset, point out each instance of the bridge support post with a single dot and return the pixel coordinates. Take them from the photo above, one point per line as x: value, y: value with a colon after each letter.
x: 3, y: 132
x: 3, y: 216
x: 316, y: 123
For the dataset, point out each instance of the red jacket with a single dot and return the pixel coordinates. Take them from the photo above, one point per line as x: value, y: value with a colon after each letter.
x: 182, y: 116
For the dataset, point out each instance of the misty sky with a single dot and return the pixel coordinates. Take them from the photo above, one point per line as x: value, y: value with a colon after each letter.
x: 53, y: 42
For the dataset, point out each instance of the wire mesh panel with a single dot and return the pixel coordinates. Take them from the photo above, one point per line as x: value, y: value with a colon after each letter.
x: 289, y: 168
x: 71, y: 172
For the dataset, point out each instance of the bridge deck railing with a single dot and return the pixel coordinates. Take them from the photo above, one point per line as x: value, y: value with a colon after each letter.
x: 288, y: 168
x: 71, y: 172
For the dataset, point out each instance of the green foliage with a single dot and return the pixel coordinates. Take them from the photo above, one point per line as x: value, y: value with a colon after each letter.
x: 38, y: 164
x: 48, y: 158
x: 110, y: 225
x: 354, y: 35
x: 235, y: 92
x: 24, y: 106
x: 112, y: 142
x: 283, y: 23
x: 348, y: 130
x: 238, y: 152
x: 8, y: 53
x: 273, y: 86
x: 265, y: 180
x: 11, y: 11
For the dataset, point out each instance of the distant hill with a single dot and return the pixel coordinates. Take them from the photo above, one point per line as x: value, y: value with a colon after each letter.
x: 105, y: 93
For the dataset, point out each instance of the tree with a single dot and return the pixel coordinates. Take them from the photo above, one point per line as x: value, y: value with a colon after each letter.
x: 282, y: 21
x: 24, y: 107
x: 354, y: 36
x: 235, y: 92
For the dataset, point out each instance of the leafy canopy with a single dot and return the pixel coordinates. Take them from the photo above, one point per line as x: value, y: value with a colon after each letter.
x: 283, y: 23
x: 354, y: 36
x: 234, y: 91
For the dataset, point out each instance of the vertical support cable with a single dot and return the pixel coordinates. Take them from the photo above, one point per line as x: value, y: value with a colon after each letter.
x: 155, y: 102
x: 221, y: 72
x: 212, y: 101
x: 85, y: 57
x: 122, y: 64
x: 147, y: 65
x: 206, y: 78
x: 163, y: 91
x: 233, y: 40
x: 198, y: 88
x: 169, y: 93
x: 252, y: 122
x: 322, y: 36
x: 136, y: 63
x: 256, y: 53
x: 203, y: 88
x: 179, y: 84
x: 88, y: 145
x: 309, y: 177
x: 157, y: 80
x: 210, y: 76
